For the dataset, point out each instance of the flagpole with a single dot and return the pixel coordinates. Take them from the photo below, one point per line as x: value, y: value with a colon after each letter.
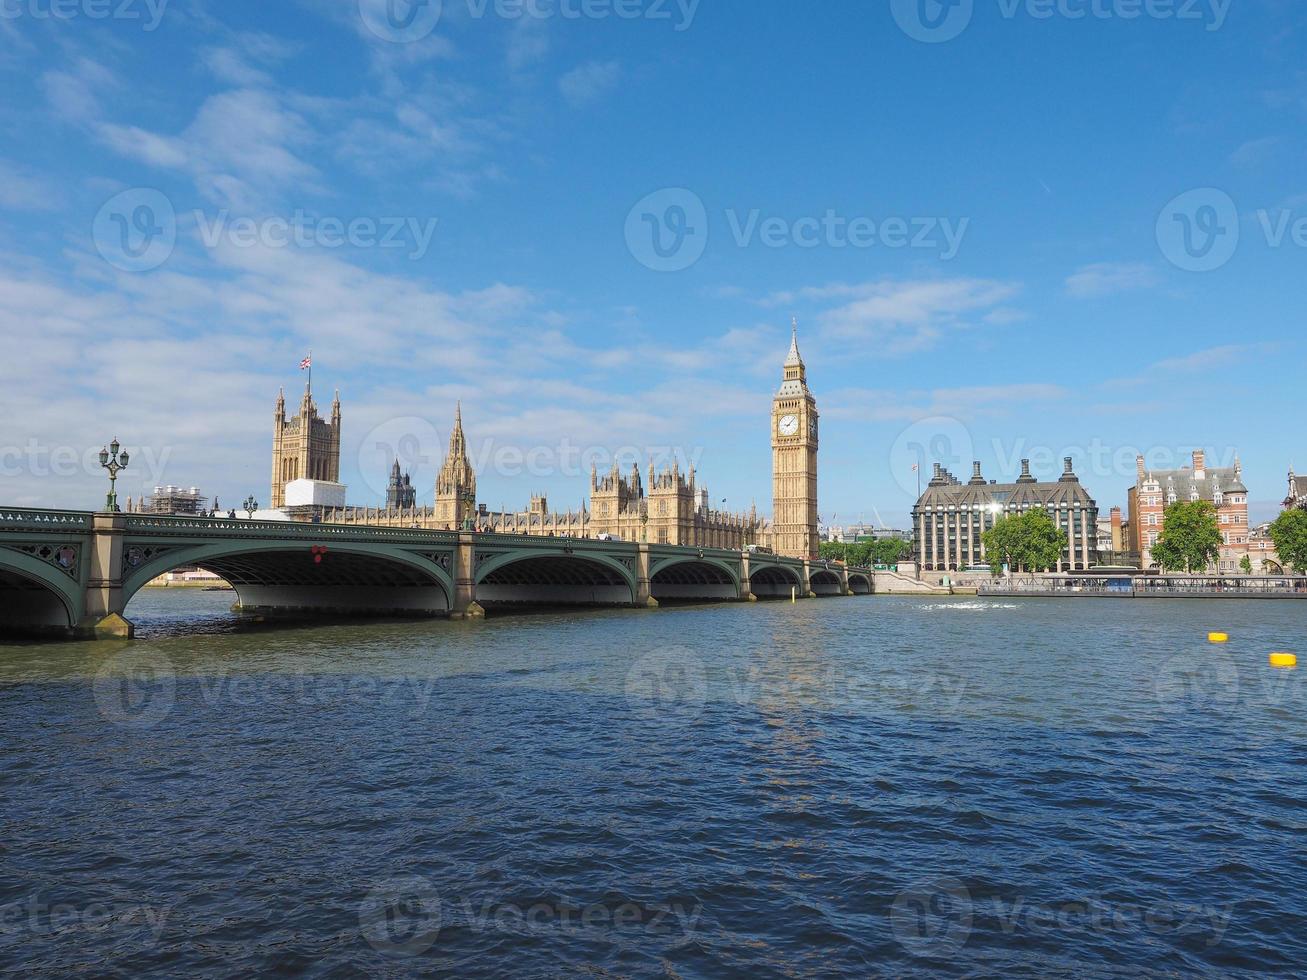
x: 311, y: 375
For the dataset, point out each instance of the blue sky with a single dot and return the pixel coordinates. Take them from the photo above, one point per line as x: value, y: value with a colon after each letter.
x: 982, y: 237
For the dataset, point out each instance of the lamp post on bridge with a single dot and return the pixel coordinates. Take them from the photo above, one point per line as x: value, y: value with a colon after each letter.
x: 113, y: 461
x: 250, y: 505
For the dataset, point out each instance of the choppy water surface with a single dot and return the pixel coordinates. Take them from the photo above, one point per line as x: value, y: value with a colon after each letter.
x: 873, y: 786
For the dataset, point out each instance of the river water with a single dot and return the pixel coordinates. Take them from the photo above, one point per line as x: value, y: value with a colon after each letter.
x: 857, y: 786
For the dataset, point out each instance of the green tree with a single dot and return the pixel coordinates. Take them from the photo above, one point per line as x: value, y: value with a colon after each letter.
x: 1029, y: 541
x: 1190, y: 539
x: 1289, y: 532
x: 853, y: 552
x: 891, y: 551
x: 1246, y: 565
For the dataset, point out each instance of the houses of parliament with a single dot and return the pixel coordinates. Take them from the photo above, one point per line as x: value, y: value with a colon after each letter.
x: 665, y: 506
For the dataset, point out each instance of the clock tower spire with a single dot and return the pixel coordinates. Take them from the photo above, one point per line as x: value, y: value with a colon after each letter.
x: 794, y: 459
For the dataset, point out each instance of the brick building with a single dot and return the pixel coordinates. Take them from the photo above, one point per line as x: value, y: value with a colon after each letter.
x: 1223, y: 487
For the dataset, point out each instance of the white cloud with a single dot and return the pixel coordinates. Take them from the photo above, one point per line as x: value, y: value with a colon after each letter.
x: 900, y: 316
x: 21, y: 190
x: 1105, y: 278
x: 1254, y: 152
x: 74, y: 94
x: 964, y: 403
x: 589, y: 82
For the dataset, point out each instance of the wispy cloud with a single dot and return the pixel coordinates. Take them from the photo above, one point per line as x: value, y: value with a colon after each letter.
x: 1254, y: 152
x: 1106, y: 278
x: 897, y: 316
x: 589, y: 82
x: 21, y: 190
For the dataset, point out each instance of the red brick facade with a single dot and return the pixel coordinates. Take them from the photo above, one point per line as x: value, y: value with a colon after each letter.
x: 1223, y: 487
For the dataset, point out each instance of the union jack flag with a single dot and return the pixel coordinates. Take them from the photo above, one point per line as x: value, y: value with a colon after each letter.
x: 306, y: 363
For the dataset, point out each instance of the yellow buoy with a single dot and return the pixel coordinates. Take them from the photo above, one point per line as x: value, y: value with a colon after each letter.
x: 1218, y: 637
x: 1283, y: 660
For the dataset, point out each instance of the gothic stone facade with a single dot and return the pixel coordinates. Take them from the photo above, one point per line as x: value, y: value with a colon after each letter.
x: 305, y: 447
x: 951, y: 517
x: 794, y: 461
x: 663, y: 507
x: 672, y: 510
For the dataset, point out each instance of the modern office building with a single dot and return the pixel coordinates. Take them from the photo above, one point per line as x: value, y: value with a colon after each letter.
x: 951, y: 517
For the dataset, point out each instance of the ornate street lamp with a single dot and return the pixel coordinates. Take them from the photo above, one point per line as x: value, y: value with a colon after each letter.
x: 113, y: 461
x: 250, y: 505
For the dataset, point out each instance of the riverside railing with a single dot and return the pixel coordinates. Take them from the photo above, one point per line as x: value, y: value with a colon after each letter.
x: 1149, y: 586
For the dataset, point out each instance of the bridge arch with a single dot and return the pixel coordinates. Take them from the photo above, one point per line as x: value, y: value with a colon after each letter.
x: 285, y: 576
x: 569, y: 579
x: 35, y: 595
x: 859, y: 583
x: 693, y: 579
x: 775, y: 581
x: 825, y: 582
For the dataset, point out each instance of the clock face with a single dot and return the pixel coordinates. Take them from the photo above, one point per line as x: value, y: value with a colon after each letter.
x: 788, y: 425
x: 812, y: 427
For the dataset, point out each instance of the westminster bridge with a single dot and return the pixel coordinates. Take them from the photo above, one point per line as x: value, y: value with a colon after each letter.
x: 75, y: 571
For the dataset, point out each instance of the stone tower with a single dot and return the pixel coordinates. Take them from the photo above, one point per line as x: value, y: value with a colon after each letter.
x: 456, y: 484
x: 400, y: 494
x: 794, y: 460
x: 305, y: 447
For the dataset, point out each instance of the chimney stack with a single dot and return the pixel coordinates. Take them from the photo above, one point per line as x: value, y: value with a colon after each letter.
x: 1139, y: 468
x: 1200, y: 463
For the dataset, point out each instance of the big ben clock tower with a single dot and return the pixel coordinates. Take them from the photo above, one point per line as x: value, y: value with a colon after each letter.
x: 794, y: 460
